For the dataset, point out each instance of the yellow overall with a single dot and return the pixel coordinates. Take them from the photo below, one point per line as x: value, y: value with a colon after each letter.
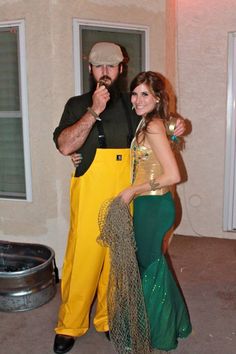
x: 86, y: 263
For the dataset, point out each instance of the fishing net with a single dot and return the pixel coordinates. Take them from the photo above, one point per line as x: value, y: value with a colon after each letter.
x: 128, y: 323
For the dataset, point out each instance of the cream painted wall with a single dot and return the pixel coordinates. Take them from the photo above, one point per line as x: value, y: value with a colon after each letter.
x: 50, y: 74
x: 200, y: 82
x: 201, y: 90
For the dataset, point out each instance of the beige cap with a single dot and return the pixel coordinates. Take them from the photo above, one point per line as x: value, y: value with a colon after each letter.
x: 105, y: 53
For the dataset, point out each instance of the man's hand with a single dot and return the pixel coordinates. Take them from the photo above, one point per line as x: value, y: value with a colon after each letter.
x: 100, y: 98
x: 180, y: 127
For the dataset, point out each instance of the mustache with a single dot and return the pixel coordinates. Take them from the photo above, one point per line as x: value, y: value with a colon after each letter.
x: 104, y: 80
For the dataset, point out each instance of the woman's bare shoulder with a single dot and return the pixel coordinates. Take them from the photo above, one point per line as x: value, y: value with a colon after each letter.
x: 156, y: 126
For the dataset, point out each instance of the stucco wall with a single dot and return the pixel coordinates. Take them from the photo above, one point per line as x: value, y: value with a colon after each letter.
x: 202, y: 29
x: 199, y: 81
x: 50, y: 74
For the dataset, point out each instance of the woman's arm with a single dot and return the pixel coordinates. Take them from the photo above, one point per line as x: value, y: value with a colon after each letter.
x: 156, y: 138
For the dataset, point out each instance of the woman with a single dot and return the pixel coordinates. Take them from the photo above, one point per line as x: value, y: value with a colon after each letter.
x: 154, y: 171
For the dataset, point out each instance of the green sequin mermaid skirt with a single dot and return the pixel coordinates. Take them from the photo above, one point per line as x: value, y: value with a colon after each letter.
x: 166, y: 309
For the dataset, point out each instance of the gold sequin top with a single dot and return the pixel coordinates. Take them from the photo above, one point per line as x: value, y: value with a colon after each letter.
x: 145, y: 167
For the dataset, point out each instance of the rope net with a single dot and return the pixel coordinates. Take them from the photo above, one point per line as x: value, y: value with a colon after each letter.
x: 128, y: 323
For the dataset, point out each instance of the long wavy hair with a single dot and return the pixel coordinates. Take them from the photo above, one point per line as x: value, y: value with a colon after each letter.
x: 155, y: 83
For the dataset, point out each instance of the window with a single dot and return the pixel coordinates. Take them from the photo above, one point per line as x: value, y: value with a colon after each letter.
x: 15, y: 176
x: 133, y: 38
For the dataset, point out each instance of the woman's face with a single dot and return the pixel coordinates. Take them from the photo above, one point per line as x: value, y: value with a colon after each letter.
x: 143, y: 100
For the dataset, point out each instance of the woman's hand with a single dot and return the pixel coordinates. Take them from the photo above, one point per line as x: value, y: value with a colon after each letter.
x: 127, y: 195
x: 76, y: 159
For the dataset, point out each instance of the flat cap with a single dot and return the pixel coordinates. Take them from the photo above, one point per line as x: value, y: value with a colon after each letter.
x: 105, y: 53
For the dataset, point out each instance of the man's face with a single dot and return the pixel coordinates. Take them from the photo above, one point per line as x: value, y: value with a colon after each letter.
x: 106, y: 73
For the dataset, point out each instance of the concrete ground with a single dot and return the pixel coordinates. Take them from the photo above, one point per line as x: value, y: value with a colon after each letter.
x: 206, y: 270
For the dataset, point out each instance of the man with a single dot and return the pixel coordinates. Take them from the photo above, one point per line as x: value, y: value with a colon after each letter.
x: 99, y: 125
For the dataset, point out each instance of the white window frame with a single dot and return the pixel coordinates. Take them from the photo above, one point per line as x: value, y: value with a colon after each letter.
x: 77, y: 40
x: 229, y: 218
x: 24, y: 107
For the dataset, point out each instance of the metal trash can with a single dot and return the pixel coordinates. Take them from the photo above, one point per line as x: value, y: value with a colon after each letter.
x: 28, y: 276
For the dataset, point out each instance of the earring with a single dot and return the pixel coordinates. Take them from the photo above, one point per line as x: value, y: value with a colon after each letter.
x: 157, y: 100
x: 133, y: 107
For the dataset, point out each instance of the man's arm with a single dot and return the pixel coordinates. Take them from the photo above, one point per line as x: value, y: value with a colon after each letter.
x: 73, y: 137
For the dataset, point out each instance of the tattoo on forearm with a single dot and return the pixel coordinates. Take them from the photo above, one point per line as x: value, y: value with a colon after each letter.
x: 154, y: 185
